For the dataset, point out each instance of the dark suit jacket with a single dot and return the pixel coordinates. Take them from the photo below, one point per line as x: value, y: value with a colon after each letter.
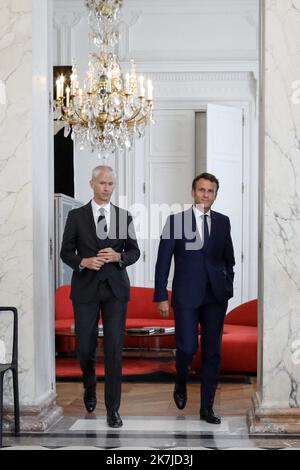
x: 80, y: 241
x: 193, y: 266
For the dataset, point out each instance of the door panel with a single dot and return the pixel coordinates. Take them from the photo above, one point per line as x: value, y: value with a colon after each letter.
x: 170, y: 172
x: 225, y: 160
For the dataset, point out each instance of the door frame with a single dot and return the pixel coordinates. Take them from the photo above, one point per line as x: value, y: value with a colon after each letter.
x: 43, y: 186
x: 43, y: 176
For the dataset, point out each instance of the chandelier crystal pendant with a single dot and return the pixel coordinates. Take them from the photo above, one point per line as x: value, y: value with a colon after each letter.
x: 113, y: 107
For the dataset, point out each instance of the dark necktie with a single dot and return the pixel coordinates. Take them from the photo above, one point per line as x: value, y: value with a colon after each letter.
x: 102, y: 225
x: 205, y: 232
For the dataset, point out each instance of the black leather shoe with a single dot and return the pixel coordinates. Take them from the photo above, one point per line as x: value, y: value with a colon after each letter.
x: 114, y: 420
x: 90, y: 399
x: 210, y: 417
x: 180, y: 396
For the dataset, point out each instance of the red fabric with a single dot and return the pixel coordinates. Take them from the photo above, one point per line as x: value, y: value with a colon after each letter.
x: 64, y: 324
x: 239, y: 351
x: 245, y: 314
x: 63, y: 304
x: 239, y: 340
x: 70, y: 367
x: 65, y: 344
x: 143, y: 322
x: 150, y: 342
x: 239, y: 345
x: 141, y: 304
x: 141, y: 312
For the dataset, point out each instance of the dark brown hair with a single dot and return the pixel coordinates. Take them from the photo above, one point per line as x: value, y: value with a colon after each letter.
x: 206, y: 176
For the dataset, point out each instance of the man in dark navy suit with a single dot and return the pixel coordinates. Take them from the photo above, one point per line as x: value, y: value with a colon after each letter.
x: 99, y: 243
x: 200, y: 241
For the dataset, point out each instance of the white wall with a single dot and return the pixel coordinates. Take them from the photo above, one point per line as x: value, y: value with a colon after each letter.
x: 172, y: 33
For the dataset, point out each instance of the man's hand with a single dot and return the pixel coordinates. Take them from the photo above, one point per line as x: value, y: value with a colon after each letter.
x: 164, y: 309
x: 95, y: 264
x: 108, y: 255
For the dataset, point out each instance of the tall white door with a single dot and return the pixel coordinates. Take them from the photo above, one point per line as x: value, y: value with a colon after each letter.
x: 225, y: 160
x: 170, y: 170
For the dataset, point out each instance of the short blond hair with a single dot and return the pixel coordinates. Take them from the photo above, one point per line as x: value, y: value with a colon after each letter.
x: 101, y: 168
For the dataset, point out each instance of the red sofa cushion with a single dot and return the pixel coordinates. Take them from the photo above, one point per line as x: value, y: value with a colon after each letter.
x: 144, y: 322
x: 141, y: 304
x: 70, y: 367
x: 245, y: 314
x: 239, y: 349
x: 239, y: 344
x: 63, y: 303
x: 239, y: 330
x: 141, y: 312
x: 64, y: 324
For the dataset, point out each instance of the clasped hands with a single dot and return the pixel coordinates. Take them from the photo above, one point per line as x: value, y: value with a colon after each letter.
x: 107, y: 255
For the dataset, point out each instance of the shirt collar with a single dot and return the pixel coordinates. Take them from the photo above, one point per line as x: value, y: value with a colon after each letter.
x: 199, y: 213
x: 97, y: 207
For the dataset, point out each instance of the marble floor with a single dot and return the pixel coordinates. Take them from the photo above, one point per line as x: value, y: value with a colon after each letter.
x: 151, y: 421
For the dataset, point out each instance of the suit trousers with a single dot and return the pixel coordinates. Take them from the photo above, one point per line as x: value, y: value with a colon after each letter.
x: 211, y: 316
x: 87, y: 315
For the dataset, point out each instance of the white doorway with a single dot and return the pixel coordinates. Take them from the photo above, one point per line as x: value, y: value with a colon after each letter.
x: 181, y: 145
x: 225, y: 159
x: 170, y: 169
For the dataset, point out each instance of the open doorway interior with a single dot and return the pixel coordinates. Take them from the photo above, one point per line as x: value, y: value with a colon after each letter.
x: 206, y: 120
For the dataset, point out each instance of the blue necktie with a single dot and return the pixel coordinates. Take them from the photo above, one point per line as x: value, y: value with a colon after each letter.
x: 206, y: 233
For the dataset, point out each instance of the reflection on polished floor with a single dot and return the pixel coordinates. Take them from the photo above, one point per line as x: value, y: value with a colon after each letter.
x: 151, y: 421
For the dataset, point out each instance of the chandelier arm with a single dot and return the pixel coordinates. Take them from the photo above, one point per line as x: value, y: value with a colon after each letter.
x: 132, y: 118
x: 143, y: 120
x: 83, y: 121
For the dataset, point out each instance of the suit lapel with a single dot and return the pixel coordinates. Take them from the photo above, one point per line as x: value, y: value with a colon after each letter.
x: 213, y: 229
x: 195, y: 226
x: 91, y: 222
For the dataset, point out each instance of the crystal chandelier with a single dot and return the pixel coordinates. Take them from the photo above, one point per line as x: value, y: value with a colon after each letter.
x: 112, y: 107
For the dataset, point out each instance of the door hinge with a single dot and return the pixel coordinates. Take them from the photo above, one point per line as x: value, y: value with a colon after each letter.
x: 50, y: 103
x: 243, y: 257
x: 144, y: 256
x: 243, y: 119
x: 51, y: 248
x: 243, y: 188
x: 144, y: 188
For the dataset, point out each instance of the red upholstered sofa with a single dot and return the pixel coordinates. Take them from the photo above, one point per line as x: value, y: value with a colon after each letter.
x: 239, y: 351
x: 141, y: 312
x: 239, y: 346
x: 64, y: 318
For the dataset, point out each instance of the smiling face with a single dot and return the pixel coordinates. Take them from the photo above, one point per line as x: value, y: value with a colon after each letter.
x: 103, y: 185
x: 205, y: 194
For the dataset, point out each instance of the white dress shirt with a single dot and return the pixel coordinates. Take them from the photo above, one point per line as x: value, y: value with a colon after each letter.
x: 96, y: 213
x: 200, y: 221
